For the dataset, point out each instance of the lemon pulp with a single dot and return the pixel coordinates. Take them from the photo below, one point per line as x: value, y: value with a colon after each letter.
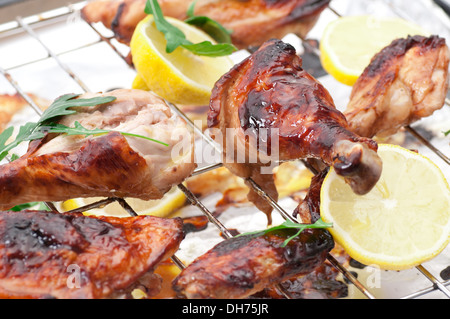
x: 402, y: 222
x: 349, y: 43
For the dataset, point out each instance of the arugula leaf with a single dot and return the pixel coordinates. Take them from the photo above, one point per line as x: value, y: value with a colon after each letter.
x: 290, y: 225
x: 207, y: 49
x: 6, y: 134
x: 210, y: 26
x: 81, y: 130
x: 24, y: 132
x: 32, y: 131
x: 20, y: 207
x: 60, y: 107
x: 175, y: 37
x: 446, y: 133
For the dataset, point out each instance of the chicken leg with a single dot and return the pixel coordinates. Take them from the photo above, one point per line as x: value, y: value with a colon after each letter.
x: 62, y: 167
x: 279, y: 112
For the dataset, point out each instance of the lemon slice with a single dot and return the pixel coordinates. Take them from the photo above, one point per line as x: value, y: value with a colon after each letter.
x: 163, y: 207
x: 291, y: 178
x: 349, y: 43
x: 402, y: 222
x: 180, y: 77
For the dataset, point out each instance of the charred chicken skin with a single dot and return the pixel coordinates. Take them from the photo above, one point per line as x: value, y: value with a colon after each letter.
x: 252, y: 21
x: 404, y: 82
x: 53, y: 255
x: 243, y: 265
x: 268, y: 99
x: 60, y: 167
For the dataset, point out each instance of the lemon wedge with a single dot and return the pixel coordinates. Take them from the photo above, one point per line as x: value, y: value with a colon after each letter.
x: 402, y: 222
x: 180, y: 77
x: 349, y: 43
x: 163, y: 207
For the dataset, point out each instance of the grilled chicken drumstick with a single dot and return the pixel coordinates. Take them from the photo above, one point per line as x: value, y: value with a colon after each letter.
x: 269, y: 91
x: 404, y: 82
x: 60, y: 167
x: 48, y: 254
x: 241, y: 266
x: 252, y: 21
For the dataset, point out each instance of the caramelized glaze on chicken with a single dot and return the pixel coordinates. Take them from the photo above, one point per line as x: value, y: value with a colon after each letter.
x: 268, y: 100
x: 309, y: 208
x: 52, y: 255
x: 252, y: 21
x: 241, y: 266
x: 61, y: 167
x: 404, y: 82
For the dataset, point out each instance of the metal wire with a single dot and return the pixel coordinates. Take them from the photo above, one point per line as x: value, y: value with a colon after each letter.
x: 437, y: 285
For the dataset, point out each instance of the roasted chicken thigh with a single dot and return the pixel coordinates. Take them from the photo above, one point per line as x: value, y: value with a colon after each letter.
x: 60, y: 167
x: 278, y: 112
x: 252, y: 21
x: 404, y: 82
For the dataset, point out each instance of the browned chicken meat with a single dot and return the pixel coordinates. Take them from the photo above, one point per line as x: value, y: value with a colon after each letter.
x: 48, y: 254
x: 278, y: 112
x: 309, y: 208
x: 243, y: 265
x: 404, y: 82
x: 60, y: 167
x: 252, y: 21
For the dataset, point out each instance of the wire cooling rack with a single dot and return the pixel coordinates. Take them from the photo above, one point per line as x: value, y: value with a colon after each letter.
x: 56, y: 52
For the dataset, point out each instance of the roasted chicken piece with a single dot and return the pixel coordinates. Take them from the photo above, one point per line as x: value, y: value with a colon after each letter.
x: 404, y: 82
x: 309, y: 208
x: 241, y: 266
x: 52, y: 255
x: 60, y: 167
x: 252, y: 21
x: 267, y: 109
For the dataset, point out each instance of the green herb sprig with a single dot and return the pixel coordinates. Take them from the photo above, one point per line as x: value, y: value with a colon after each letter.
x: 40, y: 206
x: 288, y: 224
x: 210, y: 26
x: 46, y: 124
x: 176, y: 38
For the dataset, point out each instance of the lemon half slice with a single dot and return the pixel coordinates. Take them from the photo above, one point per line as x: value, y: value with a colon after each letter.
x: 402, y: 222
x: 163, y: 207
x: 349, y: 43
x: 180, y: 77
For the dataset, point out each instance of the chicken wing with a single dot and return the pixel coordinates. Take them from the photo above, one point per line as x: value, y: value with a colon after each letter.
x: 47, y: 254
x: 243, y: 265
x: 404, y: 82
x: 252, y: 21
x: 61, y: 167
x: 279, y: 112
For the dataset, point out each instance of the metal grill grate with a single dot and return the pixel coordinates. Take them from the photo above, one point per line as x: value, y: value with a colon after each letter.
x: 27, y: 26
